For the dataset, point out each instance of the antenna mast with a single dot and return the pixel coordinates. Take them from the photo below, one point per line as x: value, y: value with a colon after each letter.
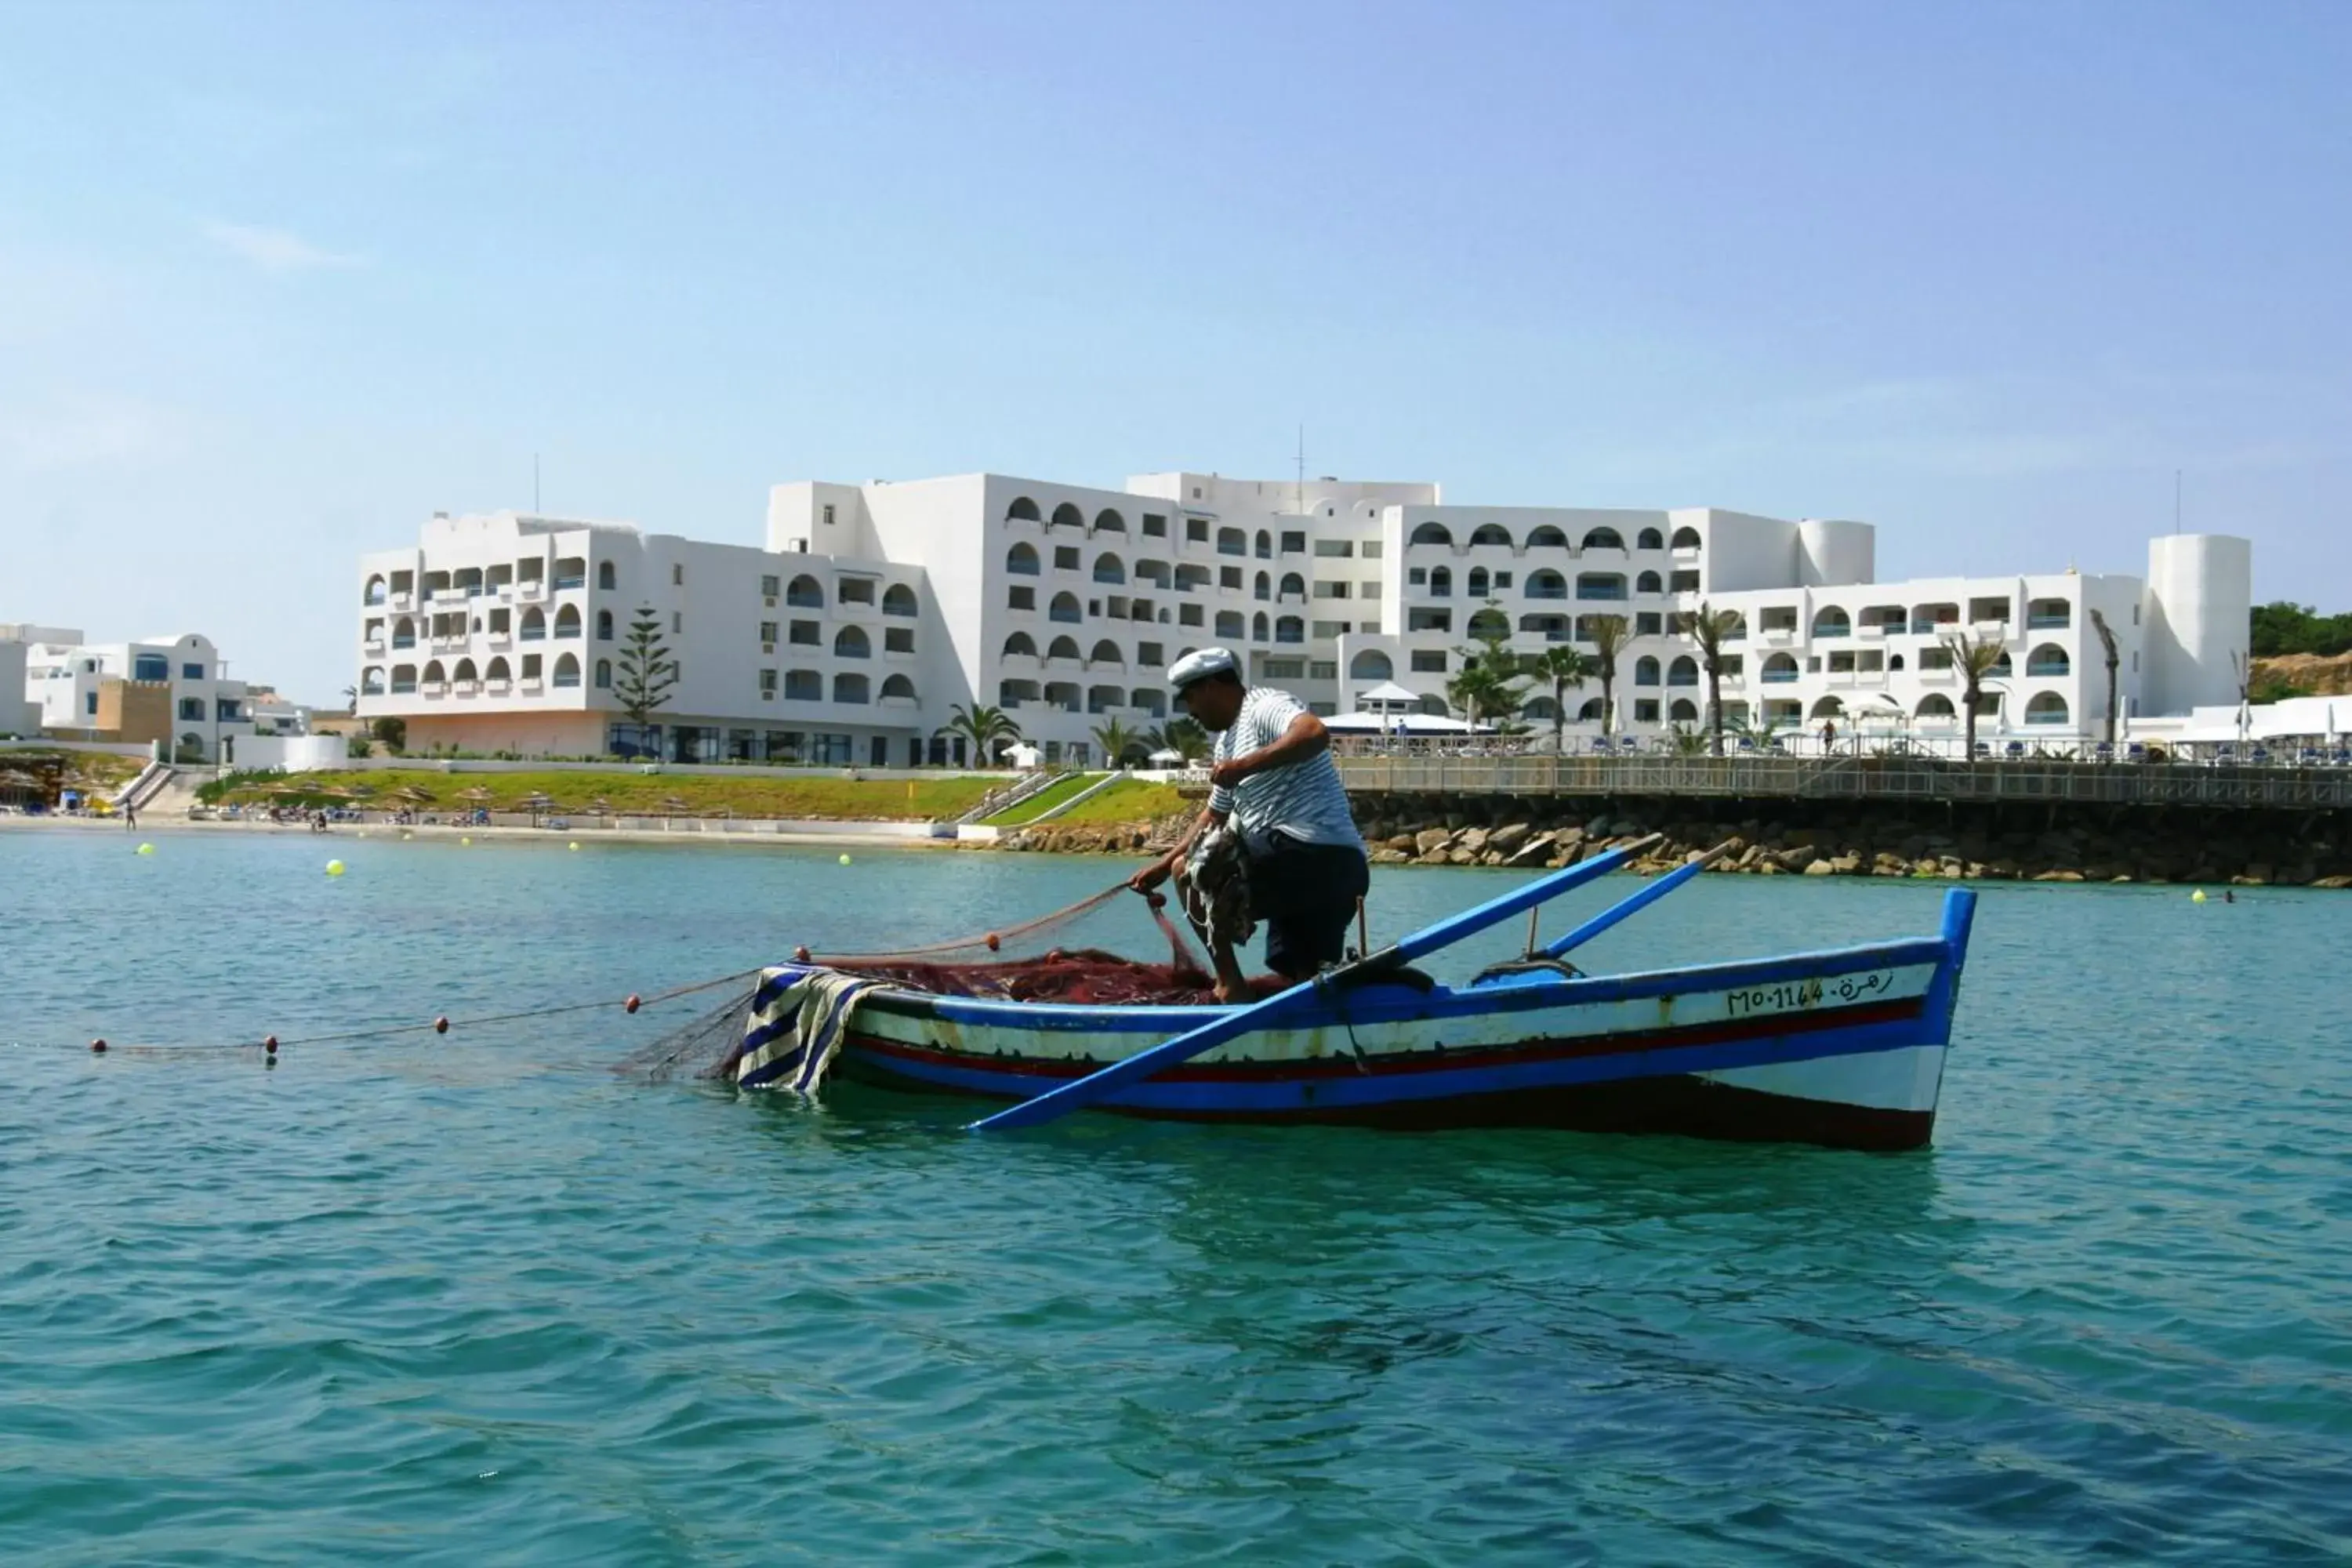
x: 1300, y: 499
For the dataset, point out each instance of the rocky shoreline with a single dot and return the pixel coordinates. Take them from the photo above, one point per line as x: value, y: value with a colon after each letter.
x: 2048, y: 843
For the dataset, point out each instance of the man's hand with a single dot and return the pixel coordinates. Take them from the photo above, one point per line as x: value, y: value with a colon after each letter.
x: 1150, y: 877
x: 1227, y: 774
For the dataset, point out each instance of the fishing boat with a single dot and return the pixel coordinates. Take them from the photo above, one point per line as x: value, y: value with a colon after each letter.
x: 1842, y: 1048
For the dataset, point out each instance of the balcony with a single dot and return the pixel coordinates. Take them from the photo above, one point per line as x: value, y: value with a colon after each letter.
x: 463, y: 688
x: 531, y: 687
x: 402, y: 602
x: 373, y: 644
x: 432, y: 688
x: 2048, y: 623
x: 495, y: 688
x: 530, y: 590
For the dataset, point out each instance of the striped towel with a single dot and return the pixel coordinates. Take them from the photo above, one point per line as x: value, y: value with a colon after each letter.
x: 799, y: 1017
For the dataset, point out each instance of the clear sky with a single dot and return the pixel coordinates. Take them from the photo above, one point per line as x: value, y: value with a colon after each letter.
x: 278, y: 282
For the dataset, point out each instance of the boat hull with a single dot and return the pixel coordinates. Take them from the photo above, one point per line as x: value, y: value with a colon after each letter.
x: 1843, y: 1047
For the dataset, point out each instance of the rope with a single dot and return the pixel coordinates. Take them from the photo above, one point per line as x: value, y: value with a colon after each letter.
x: 988, y: 940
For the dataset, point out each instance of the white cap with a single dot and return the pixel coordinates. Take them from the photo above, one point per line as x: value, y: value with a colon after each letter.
x: 1202, y: 663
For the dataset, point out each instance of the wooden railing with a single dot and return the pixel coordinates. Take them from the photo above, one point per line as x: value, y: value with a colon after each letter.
x: 1857, y: 778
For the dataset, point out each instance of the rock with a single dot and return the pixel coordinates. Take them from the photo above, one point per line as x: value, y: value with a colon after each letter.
x: 1460, y: 856
x: 1404, y: 841
x: 1384, y: 855
x: 2333, y: 882
x: 1821, y: 869
x: 1510, y: 836
x: 1491, y: 858
x: 1430, y: 857
x: 1474, y: 839
x: 2059, y: 877
x: 1430, y: 839
x: 2258, y: 874
x: 1534, y: 849
x: 1797, y: 858
x: 1844, y: 865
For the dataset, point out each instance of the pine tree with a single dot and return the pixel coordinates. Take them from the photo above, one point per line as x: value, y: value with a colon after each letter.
x: 645, y: 673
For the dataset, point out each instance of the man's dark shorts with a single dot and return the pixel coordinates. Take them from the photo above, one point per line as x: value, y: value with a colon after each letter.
x: 1306, y: 894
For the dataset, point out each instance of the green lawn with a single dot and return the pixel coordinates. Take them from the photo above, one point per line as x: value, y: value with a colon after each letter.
x: 1129, y: 800
x: 1045, y: 800
x: 627, y: 792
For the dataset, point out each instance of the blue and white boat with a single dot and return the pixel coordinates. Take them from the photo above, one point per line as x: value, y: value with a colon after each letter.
x: 1843, y: 1047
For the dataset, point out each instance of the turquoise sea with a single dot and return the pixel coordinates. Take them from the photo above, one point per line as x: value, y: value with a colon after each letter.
x: 478, y: 1300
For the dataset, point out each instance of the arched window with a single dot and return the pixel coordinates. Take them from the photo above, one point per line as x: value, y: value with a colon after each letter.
x: 498, y: 669
x: 1432, y: 534
x: 1650, y: 539
x: 1258, y: 624
x: 374, y: 594
x: 1371, y: 664
x: 604, y: 626
x: 1264, y: 587
x: 1068, y: 516
x: 852, y: 689
x: 2045, y: 708
x: 1491, y: 533
x: 803, y: 686
x: 1022, y: 559
x: 1648, y: 583
x: 1149, y: 700
x: 1108, y: 568
x: 403, y: 632
x: 567, y: 670
x: 1265, y: 545
x: 1604, y: 539
x: 604, y: 575
x: 851, y: 642
x: 1645, y: 671
x: 1228, y: 625
x: 898, y: 686
x: 1687, y: 538
x: 1935, y: 705
x: 1441, y: 583
x: 1289, y: 628
x: 1065, y: 608
x: 1488, y: 624
x: 372, y: 681
x: 1683, y: 671
x: 1591, y: 712
x: 464, y: 672
x: 804, y: 593
x: 1831, y: 622
x: 1232, y: 542
x: 1014, y: 693
x: 1779, y: 668
x: 1544, y: 536
x: 1107, y: 652
x: 1106, y: 521
x: 898, y: 599
x: 1683, y: 712
x: 2049, y: 659
x: 434, y: 673
x: 1019, y: 645
x: 1479, y: 584
x: 1023, y: 509
x: 403, y: 678
x: 1547, y: 585
x: 1828, y: 707
x: 1293, y: 586
x: 1063, y: 647
x: 535, y: 625
x: 604, y: 675
x: 567, y: 621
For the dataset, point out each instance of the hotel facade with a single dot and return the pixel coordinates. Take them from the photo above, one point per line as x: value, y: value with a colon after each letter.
x: 874, y: 610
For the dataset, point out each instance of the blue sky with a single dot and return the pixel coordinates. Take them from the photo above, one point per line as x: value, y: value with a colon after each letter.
x: 276, y: 282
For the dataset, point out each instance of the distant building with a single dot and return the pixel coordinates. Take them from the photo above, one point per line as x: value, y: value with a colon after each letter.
x: 874, y: 610
x: 171, y: 689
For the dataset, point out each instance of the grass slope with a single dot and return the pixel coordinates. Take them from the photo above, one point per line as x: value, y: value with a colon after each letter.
x: 1129, y: 800
x: 629, y: 792
x: 1045, y: 800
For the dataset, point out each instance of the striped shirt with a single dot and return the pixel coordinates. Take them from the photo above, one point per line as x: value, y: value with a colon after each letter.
x: 1304, y: 800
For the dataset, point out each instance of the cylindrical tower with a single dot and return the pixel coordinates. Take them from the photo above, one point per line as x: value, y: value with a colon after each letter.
x: 1834, y: 553
x: 2199, y: 602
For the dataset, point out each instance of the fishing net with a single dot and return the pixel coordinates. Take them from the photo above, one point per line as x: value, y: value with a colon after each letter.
x: 1036, y: 961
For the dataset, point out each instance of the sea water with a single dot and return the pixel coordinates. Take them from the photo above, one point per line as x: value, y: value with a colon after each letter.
x: 475, y: 1299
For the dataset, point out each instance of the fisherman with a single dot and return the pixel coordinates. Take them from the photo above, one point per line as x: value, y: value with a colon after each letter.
x: 1278, y: 811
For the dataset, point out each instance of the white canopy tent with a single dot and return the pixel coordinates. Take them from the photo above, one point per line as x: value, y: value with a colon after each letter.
x: 1362, y: 724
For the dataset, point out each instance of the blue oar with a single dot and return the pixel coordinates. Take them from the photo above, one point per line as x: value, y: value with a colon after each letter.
x: 1636, y: 903
x: 1085, y: 1091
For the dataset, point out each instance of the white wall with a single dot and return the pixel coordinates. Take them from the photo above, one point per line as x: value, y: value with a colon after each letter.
x: 294, y: 753
x: 2199, y: 602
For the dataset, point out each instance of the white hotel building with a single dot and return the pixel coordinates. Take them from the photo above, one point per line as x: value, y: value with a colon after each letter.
x: 874, y: 609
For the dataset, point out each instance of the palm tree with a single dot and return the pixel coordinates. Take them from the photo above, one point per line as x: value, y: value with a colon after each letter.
x: 1608, y: 635
x: 1483, y: 690
x: 1974, y: 658
x: 1758, y: 736
x: 1563, y: 666
x: 986, y: 728
x: 1116, y: 741
x: 1710, y: 627
x: 1182, y: 734
x: 2107, y: 645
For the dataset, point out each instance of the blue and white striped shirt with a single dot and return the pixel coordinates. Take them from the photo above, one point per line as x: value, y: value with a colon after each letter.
x: 1304, y: 800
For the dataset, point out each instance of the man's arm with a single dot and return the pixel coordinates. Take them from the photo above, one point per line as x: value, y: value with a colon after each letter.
x: 1305, y: 739
x: 1160, y: 870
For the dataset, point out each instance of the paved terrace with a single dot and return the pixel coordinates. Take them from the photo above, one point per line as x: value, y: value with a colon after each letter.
x: 2268, y: 788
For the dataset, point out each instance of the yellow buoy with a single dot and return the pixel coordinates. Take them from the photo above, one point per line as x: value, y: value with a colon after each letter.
x: 2198, y: 897
x: 574, y: 843
x: 466, y: 840
x: 408, y: 836
x: 334, y: 868
x: 150, y: 849
x: 844, y: 859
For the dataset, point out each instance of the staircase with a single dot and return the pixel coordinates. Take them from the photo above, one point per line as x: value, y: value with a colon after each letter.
x: 1013, y: 793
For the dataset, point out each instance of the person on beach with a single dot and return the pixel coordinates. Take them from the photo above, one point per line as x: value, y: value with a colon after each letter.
x: 1276, y: 821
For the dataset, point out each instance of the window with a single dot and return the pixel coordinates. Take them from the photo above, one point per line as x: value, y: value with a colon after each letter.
x: 827, y: 514
x: 1645, y: 711
x: 567, y: 670
x: 531, y: 667
x: 772, y: 587
x: 852, y: 689
x: 572, y: 572
x: 1329, y: 548
x: 1066, y: 558
x: 898, y: 599
x: 192, y: 672
x: 604, y: 675
x: 1683, y: 583
x: 1232, y: 542
x: 1149, y: 653
x: 1367, y: 590
x: 830, y: 751
x: 857, y: 590
x: 1428, y: 620
x: 1428, y: 661
x: 851, y: 642
x: 805, y: 633
x: 1326, y: 630
x: 1419, y: 575
x: 605, y: 578
x: 1372, y: 551
x: 1196, y: 529
x: 1188, y: 614
x: 1230, y: 578
x: 1430, y: 533
x: 1021, y: 597
x: 804, y: 594
x: 1285, y: 669
x: 803, y: 686
x: 1155, y: 525
x: 501, y: 622
x: 89, y: 703
x: 898, y: 639
x: 768, y: 629
x: 1502, y: 579
x: 1294, y: 543
x: 677, y: 622
x: 604, y: 626
x: 1330, y: 590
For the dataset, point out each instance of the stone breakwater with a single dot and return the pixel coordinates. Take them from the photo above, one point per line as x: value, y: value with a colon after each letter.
x: 2044, y: 844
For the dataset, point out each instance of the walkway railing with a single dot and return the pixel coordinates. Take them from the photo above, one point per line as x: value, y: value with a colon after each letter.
x: 1857, y: 778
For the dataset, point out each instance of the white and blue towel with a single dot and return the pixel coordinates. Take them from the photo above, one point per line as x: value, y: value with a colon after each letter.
x: 799, y: 1017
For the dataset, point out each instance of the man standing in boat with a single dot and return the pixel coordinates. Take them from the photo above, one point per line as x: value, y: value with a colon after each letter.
x: 1275, y: 800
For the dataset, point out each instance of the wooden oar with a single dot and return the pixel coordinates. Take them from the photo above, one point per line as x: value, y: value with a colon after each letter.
x: 1637, y: 902
x: 1073, y: 1096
